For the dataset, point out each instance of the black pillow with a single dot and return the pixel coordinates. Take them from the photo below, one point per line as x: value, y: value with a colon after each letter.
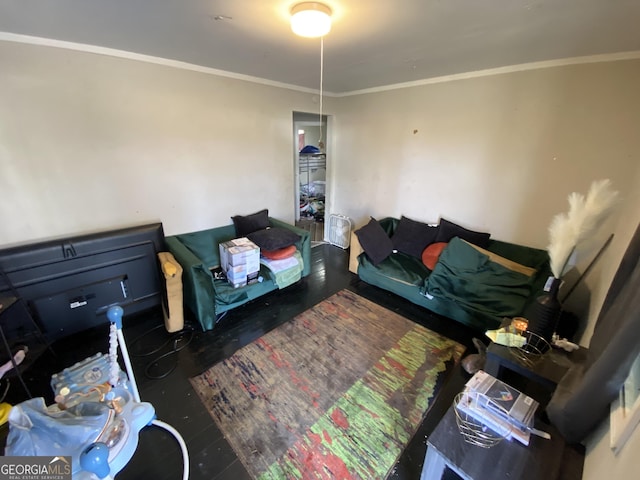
x: 251, y: 223
x: 447, y: 230
x: 412, y: 237
x: 273, y: 238
x: 374, y: 241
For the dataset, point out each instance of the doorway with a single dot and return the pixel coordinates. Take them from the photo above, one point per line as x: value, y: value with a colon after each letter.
x: 310, y: 167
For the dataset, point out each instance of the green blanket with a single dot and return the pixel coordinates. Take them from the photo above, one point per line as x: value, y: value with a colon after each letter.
x: 467, y: 277
x: 465, y: 285
x: 287, y: 276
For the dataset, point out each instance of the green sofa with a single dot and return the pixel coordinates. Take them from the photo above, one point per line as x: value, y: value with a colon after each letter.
x: 465, y: 285
x: 209, y: 298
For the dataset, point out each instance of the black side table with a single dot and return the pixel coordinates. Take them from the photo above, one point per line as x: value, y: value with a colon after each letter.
x: 547, y: 370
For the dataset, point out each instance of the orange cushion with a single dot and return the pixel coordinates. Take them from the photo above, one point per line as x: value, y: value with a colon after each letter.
x: 431, y: 254
x: 279, y: 254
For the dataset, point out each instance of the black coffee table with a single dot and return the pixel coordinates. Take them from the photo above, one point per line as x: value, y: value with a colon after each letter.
x: 509, y: 459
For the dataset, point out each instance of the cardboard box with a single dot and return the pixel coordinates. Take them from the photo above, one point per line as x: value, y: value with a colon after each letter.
x: 240, y: 251
x: 240, y: 260
x: 237, y: 271
x: 242, y: 279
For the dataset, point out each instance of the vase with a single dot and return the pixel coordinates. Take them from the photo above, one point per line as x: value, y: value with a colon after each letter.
x: 545, y: 311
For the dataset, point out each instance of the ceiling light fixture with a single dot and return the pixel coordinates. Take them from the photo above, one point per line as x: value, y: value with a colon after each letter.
x: 310, y: 19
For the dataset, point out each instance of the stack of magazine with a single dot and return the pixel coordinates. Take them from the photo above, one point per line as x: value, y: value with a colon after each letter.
x: 499, y: 406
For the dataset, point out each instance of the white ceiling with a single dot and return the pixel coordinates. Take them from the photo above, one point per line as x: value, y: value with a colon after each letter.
x: 373, y: 43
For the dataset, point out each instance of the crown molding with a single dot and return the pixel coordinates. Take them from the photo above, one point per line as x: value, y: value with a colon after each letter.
x: 523, y: 67
x: 112, y: 52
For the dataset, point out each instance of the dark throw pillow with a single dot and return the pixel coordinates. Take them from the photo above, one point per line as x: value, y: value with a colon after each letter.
x: 412, y: 237
x: 273, y: 238
x: 447, y: 230
x: 374, y: 241
x: 431, y: 254
x: 246, y: 224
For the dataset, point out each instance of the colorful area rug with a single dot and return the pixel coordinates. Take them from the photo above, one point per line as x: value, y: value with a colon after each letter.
x: 336, y: 393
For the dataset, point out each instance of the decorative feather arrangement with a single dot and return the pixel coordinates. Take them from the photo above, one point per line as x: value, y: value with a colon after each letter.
x: 568, y: 230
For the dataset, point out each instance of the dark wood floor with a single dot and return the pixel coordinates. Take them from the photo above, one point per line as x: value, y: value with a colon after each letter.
x: 169, y: 391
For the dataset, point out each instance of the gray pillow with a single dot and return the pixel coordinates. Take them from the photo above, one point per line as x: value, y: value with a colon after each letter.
x: 273, y: 238
x: 246, y: 224
x: 374, y: 241
x: 447, y: 230
x: 412, y: 237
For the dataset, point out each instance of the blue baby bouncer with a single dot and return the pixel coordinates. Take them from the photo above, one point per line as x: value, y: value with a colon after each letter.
x: 97, y: 416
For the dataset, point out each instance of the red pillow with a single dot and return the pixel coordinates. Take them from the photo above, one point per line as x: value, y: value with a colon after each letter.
x: 431, y: 254
x: 279, y: 254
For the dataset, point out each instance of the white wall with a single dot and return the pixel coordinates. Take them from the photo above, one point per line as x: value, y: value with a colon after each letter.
x: 600, y: 462
x: 90, y: 142
x: 498, y: 154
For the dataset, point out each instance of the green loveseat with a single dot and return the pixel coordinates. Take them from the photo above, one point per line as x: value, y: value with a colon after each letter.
x: 465, y: 285
x: 198, y: 254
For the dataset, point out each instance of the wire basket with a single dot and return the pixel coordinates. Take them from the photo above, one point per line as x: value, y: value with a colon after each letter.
x: 468, y: 408
x: 533, y: 350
